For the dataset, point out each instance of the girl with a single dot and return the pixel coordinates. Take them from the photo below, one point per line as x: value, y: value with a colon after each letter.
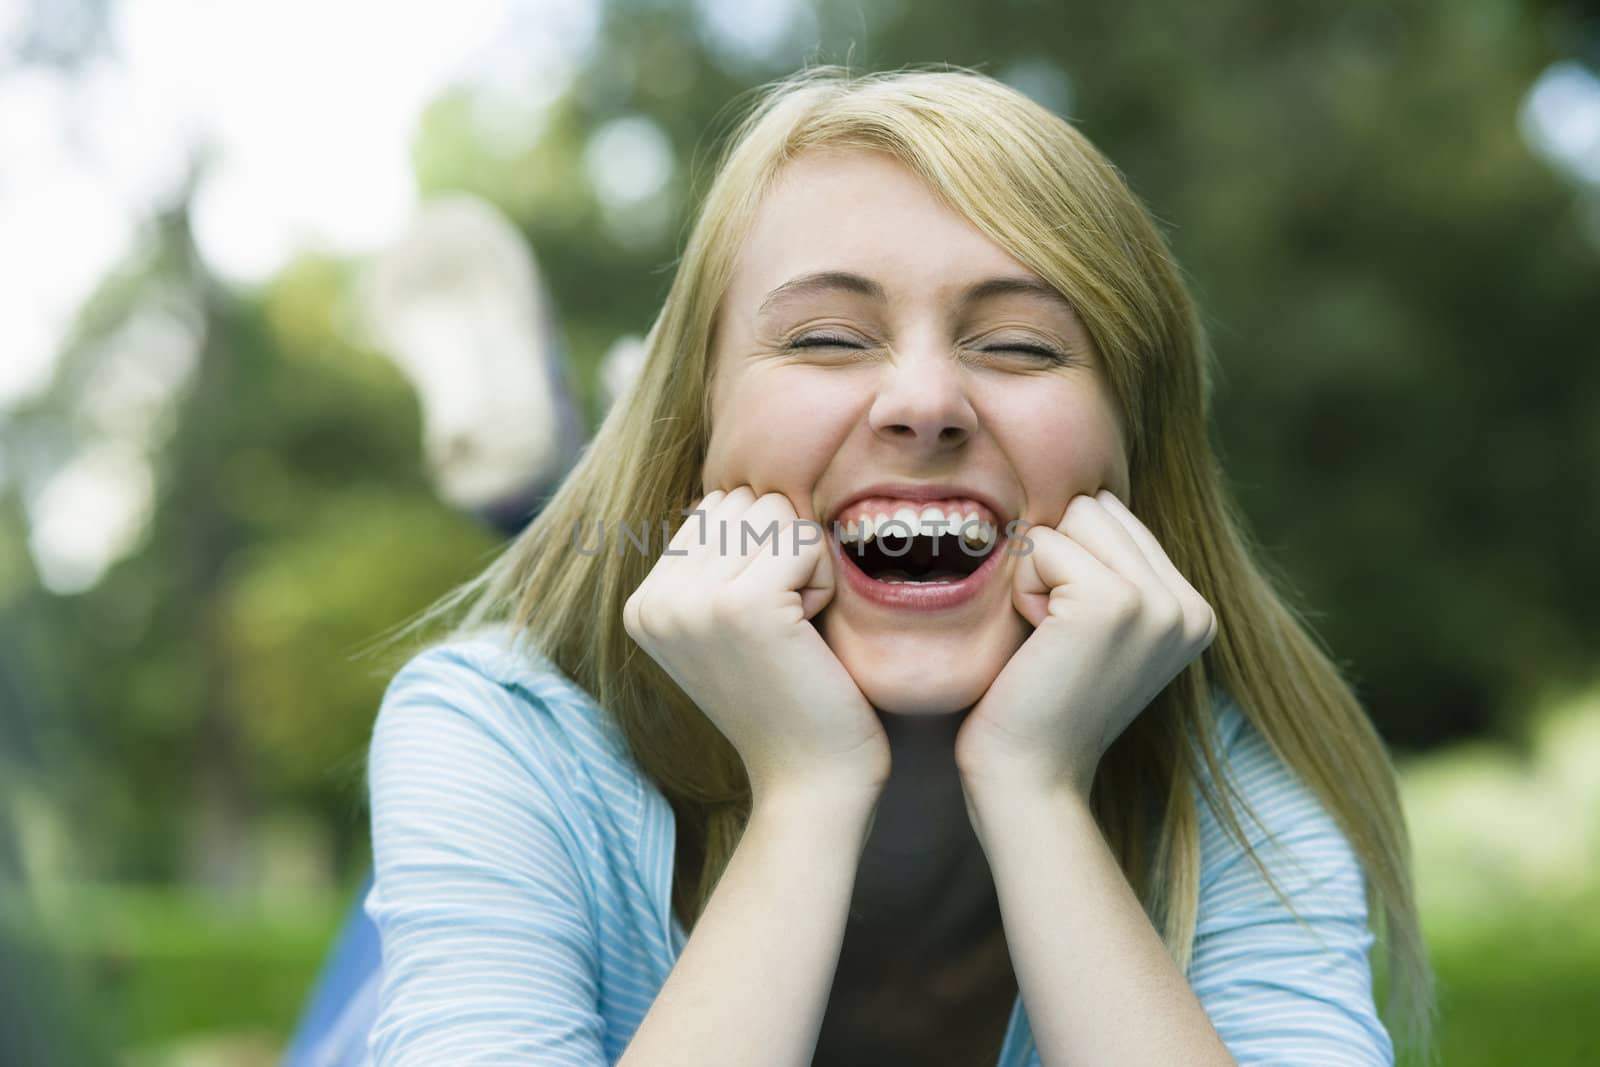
x: 892, y: 680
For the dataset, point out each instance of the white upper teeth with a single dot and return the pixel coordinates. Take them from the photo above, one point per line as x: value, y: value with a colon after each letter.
x: 932, y: 522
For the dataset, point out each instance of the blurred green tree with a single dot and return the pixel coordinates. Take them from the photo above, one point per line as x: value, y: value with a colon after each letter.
x: 1399, y: 291
x: 210, y: 676
x: 1398, y: 288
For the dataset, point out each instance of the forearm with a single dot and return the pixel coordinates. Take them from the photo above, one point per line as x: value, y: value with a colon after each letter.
x: 752, y: 982
x: 1095, y: 977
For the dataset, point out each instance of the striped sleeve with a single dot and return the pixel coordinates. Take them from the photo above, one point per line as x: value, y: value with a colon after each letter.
x: 488, y: 935
x: 1277, y: 991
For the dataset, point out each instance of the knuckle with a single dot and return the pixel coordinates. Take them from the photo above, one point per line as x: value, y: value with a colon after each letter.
x: 1167, y: 615
x: 729, y: 606
x: 651, y: 622
x: 778, y: 499
x: 1123, y: 601
x: 630, y: 616
x: 1199, y: 621
x: 651, y: 614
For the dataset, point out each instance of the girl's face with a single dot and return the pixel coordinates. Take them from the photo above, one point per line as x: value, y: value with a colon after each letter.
x: 861, y: 367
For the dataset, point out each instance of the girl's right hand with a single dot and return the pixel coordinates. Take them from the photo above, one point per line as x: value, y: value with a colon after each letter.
x: 733, y: 629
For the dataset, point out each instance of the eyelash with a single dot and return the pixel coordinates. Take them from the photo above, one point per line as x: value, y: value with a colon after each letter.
x: 822, y: 341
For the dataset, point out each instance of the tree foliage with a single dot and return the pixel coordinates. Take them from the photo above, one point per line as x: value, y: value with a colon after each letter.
x: 1399, y: 292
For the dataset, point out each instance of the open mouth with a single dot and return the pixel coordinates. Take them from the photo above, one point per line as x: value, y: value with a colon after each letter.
x: 923, y: 558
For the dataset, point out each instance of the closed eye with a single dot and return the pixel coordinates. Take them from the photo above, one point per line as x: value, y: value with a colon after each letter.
x: 1033, y: 350
x: 821, y: 341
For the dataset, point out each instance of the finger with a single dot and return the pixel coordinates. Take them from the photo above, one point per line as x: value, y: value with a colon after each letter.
x: 775, y: 522
x: 1057, y: 565
x: 765, y: 530
x: 805, y: 568
x: 1200, y: 620
x: 693, y: 529
x: 1146, y: 540
x: 721, y: 557
x: 1087, y: 522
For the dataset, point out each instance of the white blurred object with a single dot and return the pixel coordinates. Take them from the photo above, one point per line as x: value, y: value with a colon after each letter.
x: 460, y: 305
x: 90, y: 514
x: 620, y: 366
x: 1560, y: 118
x: 630, y: 166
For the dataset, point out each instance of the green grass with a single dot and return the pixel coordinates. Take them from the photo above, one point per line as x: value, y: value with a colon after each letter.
x: 151, y: 965
x: 1522, y: 988
x: 1507, y: 853
x: 1508, y: 873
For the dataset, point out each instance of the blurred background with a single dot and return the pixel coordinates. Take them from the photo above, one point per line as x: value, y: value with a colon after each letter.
x: 228, y: 461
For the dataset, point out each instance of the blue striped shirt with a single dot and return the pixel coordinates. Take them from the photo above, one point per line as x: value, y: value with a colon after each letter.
x: 524, y: 871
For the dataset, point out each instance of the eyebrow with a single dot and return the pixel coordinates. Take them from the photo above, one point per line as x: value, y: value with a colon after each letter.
x: 847, y: 281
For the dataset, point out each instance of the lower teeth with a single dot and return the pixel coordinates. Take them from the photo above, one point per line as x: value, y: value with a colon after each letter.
x: 900, y: 577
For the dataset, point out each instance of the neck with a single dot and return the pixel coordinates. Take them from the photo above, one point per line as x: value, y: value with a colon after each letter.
x: 921, y: 858
x: 922, y: 811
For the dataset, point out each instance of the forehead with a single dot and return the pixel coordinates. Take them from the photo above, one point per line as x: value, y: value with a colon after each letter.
x: 867, y: 213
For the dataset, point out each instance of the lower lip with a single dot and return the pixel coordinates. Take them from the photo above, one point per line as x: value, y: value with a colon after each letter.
x: 917, y: 596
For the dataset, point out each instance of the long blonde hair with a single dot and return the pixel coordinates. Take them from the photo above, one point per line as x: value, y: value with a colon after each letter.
x: 1036, y: 186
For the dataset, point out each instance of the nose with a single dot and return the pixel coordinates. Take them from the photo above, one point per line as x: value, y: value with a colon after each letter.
x: 922, y: 401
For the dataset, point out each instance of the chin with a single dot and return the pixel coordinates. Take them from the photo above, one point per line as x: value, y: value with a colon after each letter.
x: 908, y: 687
x: 916, y: 675
x: 923, y: 700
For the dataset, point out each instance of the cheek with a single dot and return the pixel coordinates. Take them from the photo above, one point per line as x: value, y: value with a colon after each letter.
x: 1063, y: 446
x: 776, y: 430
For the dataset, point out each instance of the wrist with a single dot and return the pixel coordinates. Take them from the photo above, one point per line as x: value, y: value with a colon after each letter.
x: 1013, y: 786
x: 994, y: 802
x: 840, y: 802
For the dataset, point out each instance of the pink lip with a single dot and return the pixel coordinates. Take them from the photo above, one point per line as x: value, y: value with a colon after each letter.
x: 910, y: 595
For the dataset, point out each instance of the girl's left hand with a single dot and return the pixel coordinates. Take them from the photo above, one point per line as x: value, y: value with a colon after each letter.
x: 1114, y: 624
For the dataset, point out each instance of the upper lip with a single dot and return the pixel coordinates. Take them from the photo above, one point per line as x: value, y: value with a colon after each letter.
x: 920, y: 491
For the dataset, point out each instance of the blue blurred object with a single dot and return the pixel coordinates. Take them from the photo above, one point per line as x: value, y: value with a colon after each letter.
x: 332, y: 1031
